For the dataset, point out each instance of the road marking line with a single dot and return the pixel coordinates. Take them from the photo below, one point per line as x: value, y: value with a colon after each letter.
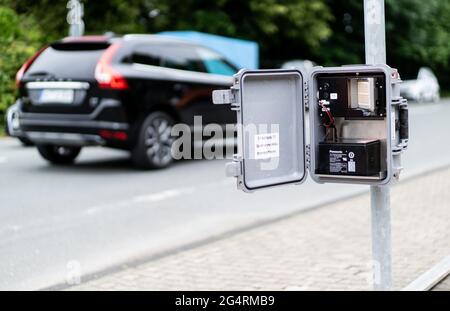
x: 163, y: 195
x: 153, y: 197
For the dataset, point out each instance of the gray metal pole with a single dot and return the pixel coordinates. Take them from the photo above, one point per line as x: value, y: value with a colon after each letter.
x: 375, y: 43
x: 381, y: 237
x: 75, y: 18
x: 374, y: 31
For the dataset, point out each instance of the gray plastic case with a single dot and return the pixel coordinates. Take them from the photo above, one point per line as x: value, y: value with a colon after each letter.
x: 385, y: 130
x: 273, y: 153
x: 379, y: 129
x: 280, y: 97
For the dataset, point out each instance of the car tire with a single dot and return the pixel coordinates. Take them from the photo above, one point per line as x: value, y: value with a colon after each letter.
x: 59, y: 155
x: 153, y: 148
x: 6, y: 128
x: 25, y: 141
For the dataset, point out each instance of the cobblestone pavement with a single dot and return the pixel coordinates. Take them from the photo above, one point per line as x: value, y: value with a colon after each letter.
x: 327, y: 248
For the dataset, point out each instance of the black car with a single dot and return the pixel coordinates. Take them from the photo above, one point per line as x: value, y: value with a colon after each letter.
x: 122, y: 93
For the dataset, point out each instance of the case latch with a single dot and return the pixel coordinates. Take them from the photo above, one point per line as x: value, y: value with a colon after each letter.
x: 233, y: 169
x: 404, y: 124
x: 306, y: 95
x: 224, y: 97
x: 401, y: 123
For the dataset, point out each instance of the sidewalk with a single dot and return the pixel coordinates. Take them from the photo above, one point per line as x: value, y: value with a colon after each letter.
x: 327, y: 248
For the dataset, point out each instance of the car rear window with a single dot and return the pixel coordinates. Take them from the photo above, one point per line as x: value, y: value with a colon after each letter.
x: 68, y: 61
x: 177, y: 56
x: 181, y: 56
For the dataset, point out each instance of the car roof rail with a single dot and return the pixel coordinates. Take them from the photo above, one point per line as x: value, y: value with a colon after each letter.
x: 153, y: 37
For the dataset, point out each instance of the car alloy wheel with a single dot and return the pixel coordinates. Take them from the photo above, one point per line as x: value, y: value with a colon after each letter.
x: 158, y: 141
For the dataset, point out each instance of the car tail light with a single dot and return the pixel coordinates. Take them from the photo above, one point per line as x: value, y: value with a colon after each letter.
x: 106, y: 76
x: 119, y: 135
x: 26, y: 66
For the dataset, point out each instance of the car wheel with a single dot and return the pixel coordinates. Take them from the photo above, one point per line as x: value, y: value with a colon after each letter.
x: 153, y: 149
x: 59, y: 154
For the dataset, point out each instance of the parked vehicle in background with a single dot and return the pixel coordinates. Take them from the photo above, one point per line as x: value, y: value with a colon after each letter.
x: 305, y: 66
x: 12, y: 126
x: 123, y: 93
x: 423, y: 89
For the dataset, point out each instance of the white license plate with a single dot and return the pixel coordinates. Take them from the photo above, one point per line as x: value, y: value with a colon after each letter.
x: 56, y: 97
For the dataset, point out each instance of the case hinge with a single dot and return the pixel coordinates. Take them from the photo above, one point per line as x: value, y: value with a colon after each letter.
x: 306, y: 95
x: 233, y: 169
x: 308, y: 156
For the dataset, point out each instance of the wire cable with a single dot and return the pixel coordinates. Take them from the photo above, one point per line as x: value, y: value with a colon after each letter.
x: 329, y: 114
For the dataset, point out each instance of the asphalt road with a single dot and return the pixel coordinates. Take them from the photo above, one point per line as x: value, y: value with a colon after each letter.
x: 101, y: 212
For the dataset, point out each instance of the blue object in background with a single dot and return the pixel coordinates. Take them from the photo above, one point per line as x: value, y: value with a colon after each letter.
x: 219, y: 67
x: 241, y: 53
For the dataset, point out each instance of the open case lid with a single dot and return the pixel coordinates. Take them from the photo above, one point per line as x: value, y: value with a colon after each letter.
x: 271, y: 128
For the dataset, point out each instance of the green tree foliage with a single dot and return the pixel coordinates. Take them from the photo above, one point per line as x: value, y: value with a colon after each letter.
x: 19, y: 39
x: 417, y: 34
x: 284, y: 29
x: 301, y: 23
x: 100, y: 16
x: 346, y: 44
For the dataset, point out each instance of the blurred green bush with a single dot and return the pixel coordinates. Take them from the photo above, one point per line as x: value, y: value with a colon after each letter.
x: 20, y: 36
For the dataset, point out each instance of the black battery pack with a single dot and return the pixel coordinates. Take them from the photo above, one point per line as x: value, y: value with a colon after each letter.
x: 349, y: 157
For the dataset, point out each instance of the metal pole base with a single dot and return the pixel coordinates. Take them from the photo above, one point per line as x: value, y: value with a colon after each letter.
x: 381, y: 237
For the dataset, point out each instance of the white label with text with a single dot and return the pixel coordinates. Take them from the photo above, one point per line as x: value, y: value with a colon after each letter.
x: 267, y: 146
